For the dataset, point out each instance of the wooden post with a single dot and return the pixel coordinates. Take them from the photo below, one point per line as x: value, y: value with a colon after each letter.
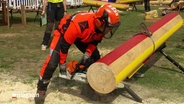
x: 105, y: 74
x: 23, y: 14
x: 4, y: 11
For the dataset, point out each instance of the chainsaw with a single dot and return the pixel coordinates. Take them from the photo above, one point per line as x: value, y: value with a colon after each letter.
x: 75, y: 71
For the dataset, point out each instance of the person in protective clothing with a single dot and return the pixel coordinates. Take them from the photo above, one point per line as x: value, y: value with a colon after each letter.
x: 85, y: 30
x: 55, y: 10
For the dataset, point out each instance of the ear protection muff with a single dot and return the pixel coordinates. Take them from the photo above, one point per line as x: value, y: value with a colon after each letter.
x: 98, y: 22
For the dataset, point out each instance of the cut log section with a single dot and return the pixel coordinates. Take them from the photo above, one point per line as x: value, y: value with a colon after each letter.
x: 101, y: 78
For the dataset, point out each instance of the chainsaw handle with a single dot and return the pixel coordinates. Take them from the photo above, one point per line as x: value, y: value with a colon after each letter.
x: 75, y: 71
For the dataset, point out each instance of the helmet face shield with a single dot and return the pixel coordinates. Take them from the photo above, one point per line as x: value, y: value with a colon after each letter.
x: 109, y: 30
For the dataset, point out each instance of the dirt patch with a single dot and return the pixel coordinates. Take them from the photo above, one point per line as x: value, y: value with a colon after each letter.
x: 61, y: 91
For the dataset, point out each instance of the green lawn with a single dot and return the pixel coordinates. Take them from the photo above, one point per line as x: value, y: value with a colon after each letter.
x: 20, y: 53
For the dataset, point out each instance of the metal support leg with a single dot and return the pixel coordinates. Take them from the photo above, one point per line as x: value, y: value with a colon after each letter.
x: 11, y: 17
x: 131, y: 92
x: 169, y: 58
x: 37, y: 15
x: 91, y: 8
x: 133, y: 6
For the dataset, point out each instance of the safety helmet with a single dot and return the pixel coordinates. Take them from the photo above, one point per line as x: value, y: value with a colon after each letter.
x: 108, y: 15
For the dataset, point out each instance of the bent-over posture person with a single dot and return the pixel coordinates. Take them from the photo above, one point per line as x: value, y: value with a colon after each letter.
x: 86, y: 31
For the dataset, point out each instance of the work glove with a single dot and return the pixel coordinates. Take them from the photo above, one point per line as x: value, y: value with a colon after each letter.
x: 62, y: 67
x: 85, y: 59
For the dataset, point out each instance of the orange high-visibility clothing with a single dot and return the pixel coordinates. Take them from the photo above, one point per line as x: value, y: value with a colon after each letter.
x: 80, y: 30
x: 81, y: 27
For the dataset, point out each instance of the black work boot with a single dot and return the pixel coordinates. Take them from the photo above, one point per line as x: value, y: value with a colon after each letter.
x: 40, y: 98
x: 41, y: 91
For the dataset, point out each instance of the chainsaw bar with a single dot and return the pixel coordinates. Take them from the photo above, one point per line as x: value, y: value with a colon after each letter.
x: 81, y: 77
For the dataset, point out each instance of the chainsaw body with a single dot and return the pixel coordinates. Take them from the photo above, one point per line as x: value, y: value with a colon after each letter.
x: 75, y: 71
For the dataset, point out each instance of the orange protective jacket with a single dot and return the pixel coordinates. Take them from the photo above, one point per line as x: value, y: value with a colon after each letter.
x: 82, y: 27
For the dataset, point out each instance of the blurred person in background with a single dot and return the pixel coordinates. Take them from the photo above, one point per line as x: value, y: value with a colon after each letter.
x: 55, y: 10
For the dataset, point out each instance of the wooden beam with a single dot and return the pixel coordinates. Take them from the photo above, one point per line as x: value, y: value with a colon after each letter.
x: 97, y: 3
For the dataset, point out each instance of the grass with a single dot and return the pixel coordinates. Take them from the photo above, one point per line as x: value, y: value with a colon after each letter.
x: 20, y: 50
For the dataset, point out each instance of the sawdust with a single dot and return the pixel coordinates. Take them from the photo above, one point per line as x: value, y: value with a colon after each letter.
x: 16, y: 92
